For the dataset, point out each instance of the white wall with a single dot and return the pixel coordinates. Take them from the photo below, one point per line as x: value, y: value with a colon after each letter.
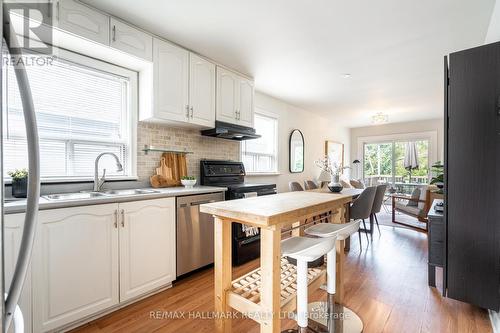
x: 316, y: 130
x: 493, y: 34
x: 432, y: 125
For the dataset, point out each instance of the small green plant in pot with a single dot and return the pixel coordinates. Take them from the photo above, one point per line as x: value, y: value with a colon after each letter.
x: 438, y: 179
x: 19, y: 182
x: 188, y: 181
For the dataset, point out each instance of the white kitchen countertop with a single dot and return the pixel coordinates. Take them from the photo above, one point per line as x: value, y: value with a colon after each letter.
x: 19, y: 206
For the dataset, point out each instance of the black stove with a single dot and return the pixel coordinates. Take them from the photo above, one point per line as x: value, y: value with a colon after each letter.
x: 230, y: 174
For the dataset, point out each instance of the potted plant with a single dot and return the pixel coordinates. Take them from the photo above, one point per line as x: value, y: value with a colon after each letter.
x: 188, y: 181
x: 438, y: 179
x: 19, y: 182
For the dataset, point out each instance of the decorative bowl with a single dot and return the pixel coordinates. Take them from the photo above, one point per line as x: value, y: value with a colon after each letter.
x: 335, y: 188
x: 188, y: 182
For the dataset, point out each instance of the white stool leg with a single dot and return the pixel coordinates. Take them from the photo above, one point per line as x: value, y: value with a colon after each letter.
x: 331, y: 258
x: 302, y: 293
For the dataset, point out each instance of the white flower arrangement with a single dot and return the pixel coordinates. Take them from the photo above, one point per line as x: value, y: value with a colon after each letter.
x: 325, y: 164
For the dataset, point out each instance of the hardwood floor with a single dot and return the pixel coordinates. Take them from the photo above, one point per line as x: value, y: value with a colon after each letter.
x: 386, y: 285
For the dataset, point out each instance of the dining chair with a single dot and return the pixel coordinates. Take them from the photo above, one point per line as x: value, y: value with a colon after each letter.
x: 310, y: 185
x: 361, y: 209
x: 295, y: 186
x: 377, y: 203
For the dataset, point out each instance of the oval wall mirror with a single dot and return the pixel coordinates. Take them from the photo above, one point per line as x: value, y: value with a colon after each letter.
x: 296, y: 151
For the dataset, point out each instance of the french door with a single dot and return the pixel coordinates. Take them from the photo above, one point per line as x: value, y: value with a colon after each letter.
x: 383, y: 162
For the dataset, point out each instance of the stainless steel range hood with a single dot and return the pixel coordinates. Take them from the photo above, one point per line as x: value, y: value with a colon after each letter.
x: 231, y: 132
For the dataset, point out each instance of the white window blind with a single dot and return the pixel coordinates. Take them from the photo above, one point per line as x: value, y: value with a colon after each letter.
x: 261, y: 155
x: 82, y: 111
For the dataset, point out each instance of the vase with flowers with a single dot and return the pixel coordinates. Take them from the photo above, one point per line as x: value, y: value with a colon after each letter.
x: 334, y: 170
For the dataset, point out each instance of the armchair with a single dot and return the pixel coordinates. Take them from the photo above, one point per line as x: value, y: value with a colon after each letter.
x: 416, y: 205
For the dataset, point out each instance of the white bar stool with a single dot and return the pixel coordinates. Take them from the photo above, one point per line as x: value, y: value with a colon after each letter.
x: 305, y: 250
x: 348, y: 320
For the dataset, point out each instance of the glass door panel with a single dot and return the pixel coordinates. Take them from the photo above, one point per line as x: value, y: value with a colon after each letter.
x: 378, y: 164
x: 384, y: 163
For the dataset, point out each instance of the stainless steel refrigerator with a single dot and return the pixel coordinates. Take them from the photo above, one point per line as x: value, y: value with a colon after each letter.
x: 11, y: 314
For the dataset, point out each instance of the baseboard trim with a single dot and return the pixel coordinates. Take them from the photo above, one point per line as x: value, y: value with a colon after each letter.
x: 495, y: 321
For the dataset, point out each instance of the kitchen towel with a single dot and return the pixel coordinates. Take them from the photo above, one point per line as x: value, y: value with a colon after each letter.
x: 248, y: 230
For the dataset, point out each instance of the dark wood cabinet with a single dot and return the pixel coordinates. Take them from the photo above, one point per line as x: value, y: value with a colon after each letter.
x: 436, y: 244
x: 473, y: 176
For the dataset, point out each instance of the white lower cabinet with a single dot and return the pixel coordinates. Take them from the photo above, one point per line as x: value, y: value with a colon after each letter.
x: 13, y: 229
x: 75, y: 265
x: 88, y: 259
x: 147, y: 246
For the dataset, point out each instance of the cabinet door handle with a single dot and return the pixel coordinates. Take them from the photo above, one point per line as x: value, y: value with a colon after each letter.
x: 191, y: 108
x: 123, y: 218
x: 57, y: 10
x: 116, y: 219
x: 114, y: 33
x: 187, y: 111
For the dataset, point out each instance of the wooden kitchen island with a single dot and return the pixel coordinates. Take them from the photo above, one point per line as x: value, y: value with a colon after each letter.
x: 266, y: 293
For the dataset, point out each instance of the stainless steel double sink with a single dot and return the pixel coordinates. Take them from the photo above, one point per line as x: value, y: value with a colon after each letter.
x: 96, y: 195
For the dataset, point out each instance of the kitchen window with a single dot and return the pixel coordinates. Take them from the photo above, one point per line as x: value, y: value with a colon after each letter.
x: 260, y: 156
x: 84, y: 107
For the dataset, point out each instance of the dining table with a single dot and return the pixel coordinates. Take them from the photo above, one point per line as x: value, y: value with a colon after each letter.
x: 268, y: 293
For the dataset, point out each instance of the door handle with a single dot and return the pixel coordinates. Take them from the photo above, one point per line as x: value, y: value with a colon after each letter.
x: 114, y: 33
x: 123, y: 218
x: 116, y: 219
x: 187, y: 111
x: 197, y: 203
x: 498, y: 106
x: 30, y: 218
x: 191, y: 109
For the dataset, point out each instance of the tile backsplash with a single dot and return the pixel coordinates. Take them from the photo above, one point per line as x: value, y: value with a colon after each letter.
x: 203, y: 147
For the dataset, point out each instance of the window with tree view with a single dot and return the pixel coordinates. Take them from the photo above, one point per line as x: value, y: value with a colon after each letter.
x: 384, y: 162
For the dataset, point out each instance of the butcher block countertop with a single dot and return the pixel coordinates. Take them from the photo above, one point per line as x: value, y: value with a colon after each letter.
x: 270, y: 210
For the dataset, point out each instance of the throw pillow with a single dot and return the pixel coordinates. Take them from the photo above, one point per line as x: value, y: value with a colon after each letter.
x: 415, y: 195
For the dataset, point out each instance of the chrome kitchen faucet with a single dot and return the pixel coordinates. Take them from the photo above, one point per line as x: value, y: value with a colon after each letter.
x: 99, y: 182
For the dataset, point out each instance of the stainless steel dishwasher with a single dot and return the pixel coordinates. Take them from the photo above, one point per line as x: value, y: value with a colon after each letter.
x: 195, y: 232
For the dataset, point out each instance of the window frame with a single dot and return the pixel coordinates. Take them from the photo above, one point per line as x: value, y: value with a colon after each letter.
x: 129, y: 122
x: 275, y: 116
x: 431, y: 136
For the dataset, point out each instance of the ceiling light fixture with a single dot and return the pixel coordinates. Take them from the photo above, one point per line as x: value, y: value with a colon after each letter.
x: 380, y: 118
x: 346, y: 75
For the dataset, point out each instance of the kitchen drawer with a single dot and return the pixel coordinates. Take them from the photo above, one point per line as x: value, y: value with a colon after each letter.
x: 436, y: 230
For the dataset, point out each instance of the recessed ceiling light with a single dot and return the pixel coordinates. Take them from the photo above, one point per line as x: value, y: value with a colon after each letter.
x: 346, y: 75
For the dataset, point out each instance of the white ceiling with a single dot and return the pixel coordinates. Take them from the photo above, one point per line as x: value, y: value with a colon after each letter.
x: 297, y: 50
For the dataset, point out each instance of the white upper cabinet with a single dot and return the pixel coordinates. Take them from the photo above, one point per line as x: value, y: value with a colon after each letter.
x: 234, y: 98
x: 184, y: 87
x: 171, y: 87
x: 81, y: 20
x: 201, y: 91
x: 227, y: 88
x: 75, y: 264
x: 131, y: 40
x: 147, y: 246
x: 245, y: 102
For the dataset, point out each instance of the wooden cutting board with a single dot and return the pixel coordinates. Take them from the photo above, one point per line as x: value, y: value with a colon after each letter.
x: 172, y: 167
